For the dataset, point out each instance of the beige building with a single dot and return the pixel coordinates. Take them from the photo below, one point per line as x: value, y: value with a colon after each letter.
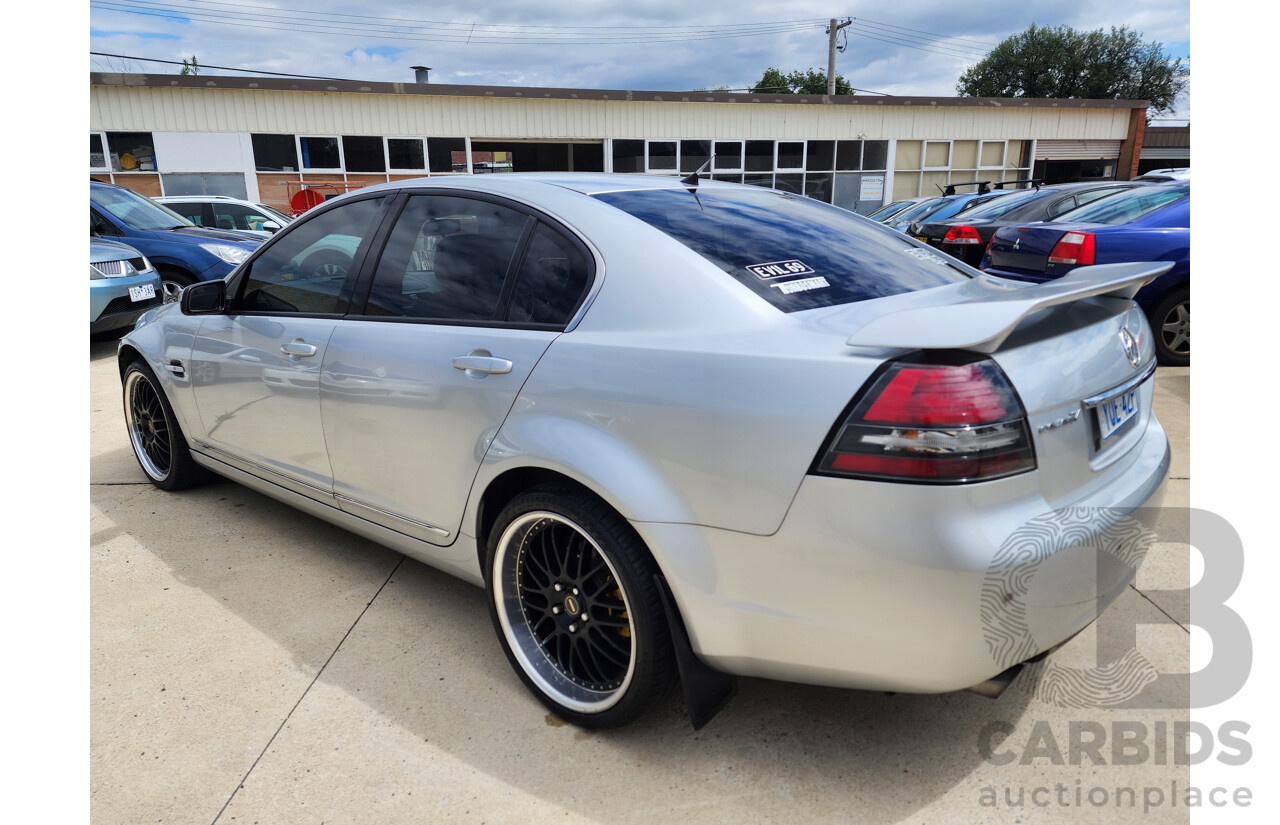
x: 264, y: 138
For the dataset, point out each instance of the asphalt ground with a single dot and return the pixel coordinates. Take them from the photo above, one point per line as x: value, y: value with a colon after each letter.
x: 252, y: 664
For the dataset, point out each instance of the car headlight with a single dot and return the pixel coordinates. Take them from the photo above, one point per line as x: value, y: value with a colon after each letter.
x: 230, y: 254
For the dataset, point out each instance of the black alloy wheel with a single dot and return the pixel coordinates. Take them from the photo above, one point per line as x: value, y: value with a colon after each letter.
x: 157, y: 442
x: 573, y: 600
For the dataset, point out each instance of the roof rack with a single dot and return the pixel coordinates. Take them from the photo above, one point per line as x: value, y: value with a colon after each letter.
x: 1033, y: 181
x: 983, y: 187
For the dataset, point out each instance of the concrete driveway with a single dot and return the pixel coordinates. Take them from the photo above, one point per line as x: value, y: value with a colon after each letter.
x: 251, y: 664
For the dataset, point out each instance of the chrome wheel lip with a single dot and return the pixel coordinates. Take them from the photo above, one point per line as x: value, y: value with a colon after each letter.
x: 534, y: 661
x: 135, y: 423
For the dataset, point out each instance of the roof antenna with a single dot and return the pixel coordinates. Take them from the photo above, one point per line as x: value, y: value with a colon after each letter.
x: 692, y: 180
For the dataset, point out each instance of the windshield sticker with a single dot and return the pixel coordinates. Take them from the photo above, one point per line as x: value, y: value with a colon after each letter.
x: 926, y: 255
x: 779, y: 269
x: 802, y: 285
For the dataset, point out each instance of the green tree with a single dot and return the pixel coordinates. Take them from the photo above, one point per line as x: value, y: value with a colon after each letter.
x: 1064, y: 63
x: 808, y: 82
x: 190, y: 68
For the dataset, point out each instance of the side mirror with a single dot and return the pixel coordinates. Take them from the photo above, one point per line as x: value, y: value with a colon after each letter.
x: 204, y: 298
x: 271, y: 226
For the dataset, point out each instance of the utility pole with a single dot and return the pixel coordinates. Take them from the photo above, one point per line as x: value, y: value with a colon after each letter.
x: 832, y: 30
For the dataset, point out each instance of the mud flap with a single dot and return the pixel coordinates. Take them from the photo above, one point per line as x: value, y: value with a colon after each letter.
x: 706, y: 690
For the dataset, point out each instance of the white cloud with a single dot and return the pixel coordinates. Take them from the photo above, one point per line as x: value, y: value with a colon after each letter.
x: 879, y: 55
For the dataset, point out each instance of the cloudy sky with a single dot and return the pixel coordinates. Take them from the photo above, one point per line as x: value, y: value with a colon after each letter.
x: 914, y: 48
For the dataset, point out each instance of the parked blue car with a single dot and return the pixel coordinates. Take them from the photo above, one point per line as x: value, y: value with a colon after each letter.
x: 181, y: 252
x: 122, y: 285
x: 941, y: 208
x: 1148, y: 223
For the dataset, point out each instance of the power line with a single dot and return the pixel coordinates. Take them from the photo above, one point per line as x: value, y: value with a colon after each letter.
x: 441, y: 31
x: 943, y: 52
x: 876, y: 24
x: 226, y: 68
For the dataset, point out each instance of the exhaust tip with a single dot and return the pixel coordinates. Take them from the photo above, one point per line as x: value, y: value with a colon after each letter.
x: 994, y: 687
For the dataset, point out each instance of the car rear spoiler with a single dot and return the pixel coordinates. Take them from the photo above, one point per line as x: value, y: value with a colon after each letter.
x: 991, y: 308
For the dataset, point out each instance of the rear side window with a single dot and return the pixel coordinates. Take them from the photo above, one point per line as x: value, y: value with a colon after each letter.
x: 792, y: 251
x: 446, y: 259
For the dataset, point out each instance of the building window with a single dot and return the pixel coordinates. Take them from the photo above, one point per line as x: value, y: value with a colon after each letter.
x: 447, y: 154
x: 97, y: 152
x: 728, y: 156
x: 925, y: 168
x: 320, y: 153
x: 759, y: 156
x: 848, y: 155
x: 693, y: 154
x: 129, y: 152
x: 363, y: 154
x: 275, y: 153
x: 628, y: 155
x: 821, y: 156
x: 662, y: 155
x: 407, y: 154
x: 790, y: 154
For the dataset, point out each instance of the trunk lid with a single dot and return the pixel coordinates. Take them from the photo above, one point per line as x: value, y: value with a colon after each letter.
x: 1024, y: 249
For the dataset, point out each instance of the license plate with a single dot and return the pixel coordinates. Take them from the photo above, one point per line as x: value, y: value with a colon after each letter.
x: 1114, y: 412
x: 142, y: 293
x: 921, y: 238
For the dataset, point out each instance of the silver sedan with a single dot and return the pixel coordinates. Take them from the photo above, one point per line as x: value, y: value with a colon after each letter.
x: 678, y: 430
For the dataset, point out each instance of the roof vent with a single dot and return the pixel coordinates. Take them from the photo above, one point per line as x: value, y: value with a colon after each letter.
x: 420, y: 74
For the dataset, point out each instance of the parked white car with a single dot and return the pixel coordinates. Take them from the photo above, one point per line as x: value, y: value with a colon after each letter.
x: 224, y: 212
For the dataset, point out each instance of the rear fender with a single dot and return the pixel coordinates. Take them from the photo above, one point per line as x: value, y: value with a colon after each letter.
x: 589, y: 455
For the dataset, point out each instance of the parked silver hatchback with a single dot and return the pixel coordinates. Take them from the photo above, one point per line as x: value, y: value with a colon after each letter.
x: 674, y: 428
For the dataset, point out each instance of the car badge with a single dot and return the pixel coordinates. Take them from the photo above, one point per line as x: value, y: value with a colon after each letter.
x: 1130, y: 345
x: 1016, y: 241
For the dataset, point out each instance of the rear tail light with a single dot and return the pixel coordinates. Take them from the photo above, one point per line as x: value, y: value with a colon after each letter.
x: 933, y: 423
x: 962, y: 234
x: 1073, y: 248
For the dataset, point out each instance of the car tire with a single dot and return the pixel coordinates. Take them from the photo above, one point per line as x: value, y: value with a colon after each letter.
x: 1171, y: 323
x: 153, y: 430
x: 557, y: 554
x: 173, y: 281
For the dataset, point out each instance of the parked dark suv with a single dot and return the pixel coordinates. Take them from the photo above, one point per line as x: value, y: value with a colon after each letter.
x: 182, y: 252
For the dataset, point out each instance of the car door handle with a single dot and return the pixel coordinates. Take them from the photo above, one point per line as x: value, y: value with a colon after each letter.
x: 298, y: 347
x: 482, y: 363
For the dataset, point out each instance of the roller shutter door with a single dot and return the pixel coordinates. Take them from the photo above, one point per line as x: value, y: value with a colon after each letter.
x: 1077, y: 149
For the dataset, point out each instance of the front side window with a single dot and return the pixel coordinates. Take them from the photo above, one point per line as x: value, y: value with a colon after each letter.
x: 793, y: 252
x: 446, y: 259
x: 305, y: 270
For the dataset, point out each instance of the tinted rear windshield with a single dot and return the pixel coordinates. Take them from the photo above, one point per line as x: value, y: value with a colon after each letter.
x: 793, y: 252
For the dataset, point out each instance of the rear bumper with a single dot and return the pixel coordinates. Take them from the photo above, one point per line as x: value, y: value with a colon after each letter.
x: 881, y: 586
